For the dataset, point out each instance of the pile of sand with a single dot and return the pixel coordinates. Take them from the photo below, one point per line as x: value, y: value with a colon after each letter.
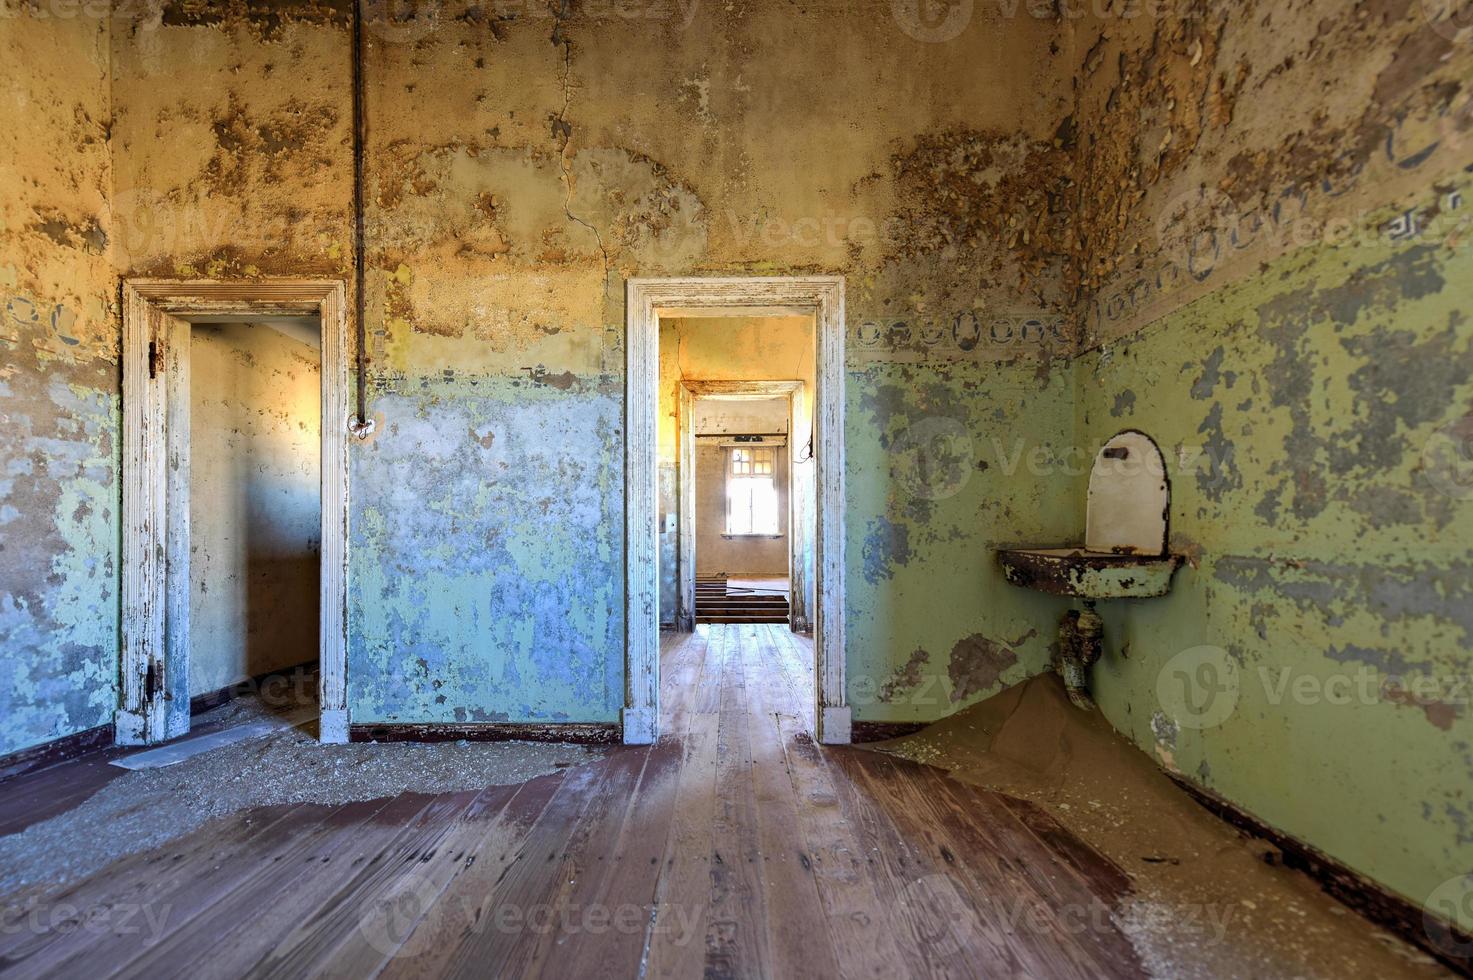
x: 1207, y: 901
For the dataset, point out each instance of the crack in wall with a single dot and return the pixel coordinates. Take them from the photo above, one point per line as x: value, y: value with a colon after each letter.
x: 562, y: 130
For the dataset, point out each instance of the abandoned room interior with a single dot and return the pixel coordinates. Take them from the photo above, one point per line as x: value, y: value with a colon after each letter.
x: 673, y: 488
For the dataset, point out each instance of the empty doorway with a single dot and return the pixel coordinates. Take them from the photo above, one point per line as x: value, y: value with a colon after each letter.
x: 254, y: 487
x: 234, y: 495
x: 744, y: 479
x: 650, y: 302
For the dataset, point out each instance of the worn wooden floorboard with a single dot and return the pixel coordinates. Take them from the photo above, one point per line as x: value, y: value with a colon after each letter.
x: 235, y: 928
x: 733, y: 847
x: 466, y: 904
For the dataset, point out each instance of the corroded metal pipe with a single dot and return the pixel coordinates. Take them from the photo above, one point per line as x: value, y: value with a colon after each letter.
x: 1081, y: 641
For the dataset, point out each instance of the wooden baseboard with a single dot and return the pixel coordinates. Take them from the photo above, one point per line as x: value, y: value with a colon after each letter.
x: 881, y: 731
x: 210, y: 700
x: 1387, y: 909
x: 56, y: 751
x: 582, y: 734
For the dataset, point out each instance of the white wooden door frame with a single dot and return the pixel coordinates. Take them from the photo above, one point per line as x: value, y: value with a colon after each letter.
x: 154, y: 695
x: 647, y: 300
x: 800, y: 497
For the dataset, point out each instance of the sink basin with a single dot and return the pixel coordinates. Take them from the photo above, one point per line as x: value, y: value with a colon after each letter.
x: 1088, y: 574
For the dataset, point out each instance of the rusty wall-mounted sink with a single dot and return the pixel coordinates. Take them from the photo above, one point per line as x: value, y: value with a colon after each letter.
x: 1124, y: 554
x: 1088, y: 574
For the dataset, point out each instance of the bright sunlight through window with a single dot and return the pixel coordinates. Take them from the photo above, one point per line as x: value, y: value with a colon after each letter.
x: 751, y: 491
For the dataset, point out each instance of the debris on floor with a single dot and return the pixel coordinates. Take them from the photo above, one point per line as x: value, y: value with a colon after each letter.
x: 288, y: 766
x: 177, y: 751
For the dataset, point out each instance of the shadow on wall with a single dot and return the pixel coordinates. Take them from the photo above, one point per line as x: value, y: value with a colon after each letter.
x: 255, y: 516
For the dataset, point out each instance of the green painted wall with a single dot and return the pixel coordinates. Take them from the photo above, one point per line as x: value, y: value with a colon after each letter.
x: 1281, y: 298
x: 945, y: 468
x: 1313, y: 663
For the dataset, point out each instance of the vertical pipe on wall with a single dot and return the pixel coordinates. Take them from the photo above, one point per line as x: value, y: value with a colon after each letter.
x: 360, y: 332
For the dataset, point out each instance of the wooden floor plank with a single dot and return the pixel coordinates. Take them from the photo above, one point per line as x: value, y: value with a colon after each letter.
x: 180, y: 890
x: 797, y: 928
x: 307, y: 948
x: 675, y: 946
x: 467, y: 902
x: 736, y: 926
x: 625, y: 896
x: 734, y: 846
x: 246, y: 926
x: 983, y: 896
x: 932, y: 936
x: 390, y: 918
x: 576, y: 912
x: 519, y: 898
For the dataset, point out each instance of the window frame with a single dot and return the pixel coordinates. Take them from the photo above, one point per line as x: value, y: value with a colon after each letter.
x: 772, y: 479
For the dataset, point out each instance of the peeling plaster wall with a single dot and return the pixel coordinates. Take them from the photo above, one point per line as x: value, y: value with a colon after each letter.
x: 255, y: 523
x: 523, y: 160
x: 1280, y: 297
x: 943, y: 471
x: 231, y: 140
x: 59, y: 383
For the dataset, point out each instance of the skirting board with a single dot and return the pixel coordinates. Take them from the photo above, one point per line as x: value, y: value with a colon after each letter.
x: 1430, y: 933
x: 883, y: 731
x: 54, y: 752
x: 582, y: 734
